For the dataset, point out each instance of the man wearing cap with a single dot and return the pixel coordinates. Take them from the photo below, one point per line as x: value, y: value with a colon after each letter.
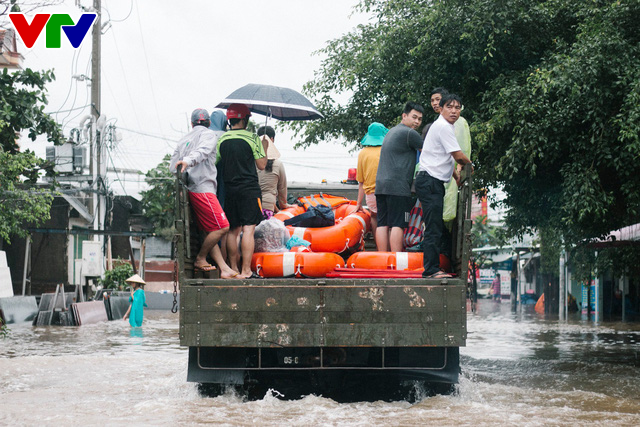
x: 196, y: 152
x: 273, y: 179
x: 368, y: 160
x: 394, y: 178
x: 240, y: 152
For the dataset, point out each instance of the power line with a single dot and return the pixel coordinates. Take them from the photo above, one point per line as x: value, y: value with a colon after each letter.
x: 120, y: 20
x: 126, y: 81
x: 150, y: 135
x: 146, y: 58
x: 66, y: 111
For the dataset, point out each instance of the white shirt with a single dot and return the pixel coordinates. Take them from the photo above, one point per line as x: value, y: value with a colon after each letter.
x: 440, y: 142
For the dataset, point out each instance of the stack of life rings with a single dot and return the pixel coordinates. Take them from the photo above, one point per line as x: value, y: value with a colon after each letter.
x: 321, y: 258
x: 330, y: 245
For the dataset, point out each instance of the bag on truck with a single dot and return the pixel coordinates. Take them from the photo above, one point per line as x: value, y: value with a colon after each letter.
x: 314, y: 217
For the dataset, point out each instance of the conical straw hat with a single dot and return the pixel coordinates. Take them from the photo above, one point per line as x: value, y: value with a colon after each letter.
x: 136, y: 279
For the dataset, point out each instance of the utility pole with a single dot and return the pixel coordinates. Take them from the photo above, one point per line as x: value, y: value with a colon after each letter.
x: 98, y: 197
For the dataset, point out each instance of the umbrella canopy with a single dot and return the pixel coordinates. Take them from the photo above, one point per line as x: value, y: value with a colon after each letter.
x: 272, y: 101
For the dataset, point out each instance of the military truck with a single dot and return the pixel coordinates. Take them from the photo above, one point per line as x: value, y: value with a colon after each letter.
x: 346, y: 339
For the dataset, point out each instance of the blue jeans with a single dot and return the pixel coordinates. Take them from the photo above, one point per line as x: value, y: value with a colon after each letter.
x: 430, y: 191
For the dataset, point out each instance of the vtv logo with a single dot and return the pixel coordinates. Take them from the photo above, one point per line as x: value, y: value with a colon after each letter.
x: 54, y: 22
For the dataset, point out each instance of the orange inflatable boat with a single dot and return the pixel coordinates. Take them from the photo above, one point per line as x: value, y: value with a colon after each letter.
x: 392, y: 260
x: 299, y: 264
x: 347, y: 233
x: 389, y: 260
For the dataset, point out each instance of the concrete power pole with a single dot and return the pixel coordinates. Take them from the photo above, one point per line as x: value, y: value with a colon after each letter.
x: 98, y: 196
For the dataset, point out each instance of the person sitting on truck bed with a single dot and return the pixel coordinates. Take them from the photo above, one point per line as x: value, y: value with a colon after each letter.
x: 240, y: 153
x: 196, y: 151
x: 439, y: 154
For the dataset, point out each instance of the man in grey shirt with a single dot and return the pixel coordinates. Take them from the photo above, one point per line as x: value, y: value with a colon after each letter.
x: 196, y: 152
x: 394, y: 178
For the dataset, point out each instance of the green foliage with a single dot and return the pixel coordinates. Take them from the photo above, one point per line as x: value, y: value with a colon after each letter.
x: 20, y: 202
x: 551, y: 89
x: 22, y: 101
x: 550, y: 248
x: 621, y: 260
x: 158, y: 202
x: 485, y: 234
x: 4, y: 331
x: 115, y: 278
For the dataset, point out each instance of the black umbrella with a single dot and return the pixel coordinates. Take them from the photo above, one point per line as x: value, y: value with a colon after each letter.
x: 272, y: 101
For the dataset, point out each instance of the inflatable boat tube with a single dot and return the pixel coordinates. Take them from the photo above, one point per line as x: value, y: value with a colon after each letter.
x: 298, y: 264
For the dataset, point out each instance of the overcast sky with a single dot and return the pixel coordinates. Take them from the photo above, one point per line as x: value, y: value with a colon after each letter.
x: 163, y: 58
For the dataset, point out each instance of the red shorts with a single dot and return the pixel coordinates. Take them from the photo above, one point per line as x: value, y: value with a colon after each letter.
x: 208, y: 212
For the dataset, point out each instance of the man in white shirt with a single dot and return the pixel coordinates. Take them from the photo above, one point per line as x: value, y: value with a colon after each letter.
x: 439, y: 154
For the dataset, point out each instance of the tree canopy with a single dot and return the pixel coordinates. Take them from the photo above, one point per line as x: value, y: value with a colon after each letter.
x: 551, y: 89
x: 22, y: 101
x: 158, y: 202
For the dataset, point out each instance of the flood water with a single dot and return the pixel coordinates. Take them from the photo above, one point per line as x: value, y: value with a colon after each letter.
x: 518, y: 369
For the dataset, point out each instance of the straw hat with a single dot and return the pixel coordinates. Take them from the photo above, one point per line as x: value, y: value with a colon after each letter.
x: 135, y: 279
x: 272, y: 151
x: 375, y: 135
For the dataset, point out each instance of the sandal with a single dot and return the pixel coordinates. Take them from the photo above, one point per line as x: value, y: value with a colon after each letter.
x: 204, y: 267
x: 439, y: 275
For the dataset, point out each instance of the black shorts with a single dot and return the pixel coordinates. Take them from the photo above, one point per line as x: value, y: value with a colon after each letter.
x: 393, y: 211
x: 243, y: 211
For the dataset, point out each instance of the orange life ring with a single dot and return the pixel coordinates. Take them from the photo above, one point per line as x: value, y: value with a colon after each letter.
x: 299, y: 264
x: 348, y: 232
x: 288, y: 213
x: 311, y: 200
x: 393, y: 260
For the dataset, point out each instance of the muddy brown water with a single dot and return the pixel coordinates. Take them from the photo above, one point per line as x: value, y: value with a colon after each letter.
x: 518, y: 369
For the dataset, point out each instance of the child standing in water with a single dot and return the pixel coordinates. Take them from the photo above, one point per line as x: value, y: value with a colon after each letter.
x: 138, y: 301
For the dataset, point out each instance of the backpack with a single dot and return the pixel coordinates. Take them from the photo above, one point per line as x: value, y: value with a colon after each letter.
x: 314, y: 217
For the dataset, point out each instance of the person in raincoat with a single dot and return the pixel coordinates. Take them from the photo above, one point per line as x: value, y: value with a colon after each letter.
x: 138, y: 301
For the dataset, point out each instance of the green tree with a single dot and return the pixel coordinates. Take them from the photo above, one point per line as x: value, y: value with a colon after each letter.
x: 20, y: 201
x: 115, y: 278
x: 158, y: 202
x: 22, y: 101
x: 551, y: 89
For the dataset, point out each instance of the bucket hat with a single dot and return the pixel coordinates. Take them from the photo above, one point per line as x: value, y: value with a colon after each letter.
x: 375, y: 135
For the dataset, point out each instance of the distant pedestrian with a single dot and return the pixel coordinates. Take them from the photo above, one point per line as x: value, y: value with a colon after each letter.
x: 394, y: 178
x: 368, y: 160
x: 495, y: 288
x: 137, y: 301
